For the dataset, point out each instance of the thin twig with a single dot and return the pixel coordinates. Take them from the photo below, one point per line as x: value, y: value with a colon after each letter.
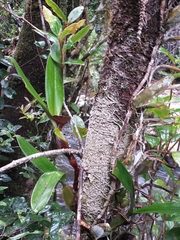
x: 20, y: 161
x: 22, y: 18
x: 78, y: 228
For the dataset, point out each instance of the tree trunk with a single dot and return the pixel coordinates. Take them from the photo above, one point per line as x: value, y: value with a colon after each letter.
x: 125, y: 65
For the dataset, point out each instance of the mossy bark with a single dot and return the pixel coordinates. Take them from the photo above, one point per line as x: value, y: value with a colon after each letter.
x: 125, y: 64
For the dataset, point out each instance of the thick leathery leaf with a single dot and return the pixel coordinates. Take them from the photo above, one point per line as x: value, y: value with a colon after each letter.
x: 42, y: 163
x: 43, y: 189
x: 56, y: 10
x: 54, y: 87
x: 75, y: 13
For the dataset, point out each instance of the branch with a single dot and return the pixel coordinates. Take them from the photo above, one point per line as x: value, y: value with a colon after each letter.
x: 20, y: 161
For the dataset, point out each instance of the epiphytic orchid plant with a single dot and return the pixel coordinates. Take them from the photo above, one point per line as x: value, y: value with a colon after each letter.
x: 65, y: 34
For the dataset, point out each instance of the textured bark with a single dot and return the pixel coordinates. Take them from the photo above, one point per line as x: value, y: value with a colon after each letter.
x: 124, y: 67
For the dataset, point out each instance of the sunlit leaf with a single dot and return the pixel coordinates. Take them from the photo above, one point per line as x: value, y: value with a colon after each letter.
x: 147, y: 95
x: 43, y: 189
x: 54, y: 87
x: 74, y: 62
x: 176, y: 157
x: 162, y: 208
x: 161, y: 111
x: 153, y: 141
x: 125, y: 178
x: 42, y: 163
x: 71, y: 29
x: 55, y: 52
x: 56, y: 10
x: 80, y: 34
x: 59, y: 134
x: 68, y: 195
x: 54, y: 22
x: 75, y: 13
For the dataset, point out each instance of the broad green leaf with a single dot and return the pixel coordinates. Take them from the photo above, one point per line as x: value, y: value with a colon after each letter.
x: 165, y: 132
x: 161, y: 111
x: 162, y: 208
x: 168, y: 54
x: 75, y: 13
x: 71, y: 29
x: 176, y: 157
x: 153, y: 141
x: 147, y: 95
x: 42, y: 163
x: 54, y: 22
x: 43, y: 189
x: 172, y: 234
x: 74, y: 62
x: 29, y: 87
x: 59, y: 134
x: 80, y: 34
x: 56, y: 10
x: 55, y: 52
x: 54, y: 87
x: 125, y: 178
x: 68, y: 45
x: 68, y: 195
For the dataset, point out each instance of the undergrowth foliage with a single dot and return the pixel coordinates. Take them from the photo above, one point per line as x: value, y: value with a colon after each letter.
x: 144, y: 198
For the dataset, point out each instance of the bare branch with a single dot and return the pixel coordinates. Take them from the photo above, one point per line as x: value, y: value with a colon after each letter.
x: 20, y: 161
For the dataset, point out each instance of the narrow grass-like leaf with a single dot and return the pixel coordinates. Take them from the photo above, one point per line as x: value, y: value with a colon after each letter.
x: 54, y: 87
x: 162, y: 208
x: 29, y: 87
x: 42, y: 163
x: 43, y: 189
x: 125, y: 178
x: 56, y: 10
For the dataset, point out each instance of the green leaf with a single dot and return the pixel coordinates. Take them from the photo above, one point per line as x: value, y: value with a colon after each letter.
x: 146, y: 96
x: 176, y: 157
x: 68, y: 195
x: 29, y: 87
x: 71, y: 29
x: 56, y: 10
x: 42, y: 163
x: 162, y: 208
x: 125, y: 178
x: 168, y: 54
x: 54, y: 22
x: 161, y: 112
x: 153, y: 141
x: 80, y: 34
x: 165, y: 132
x: 9, y: 92
x: 68, y: 45
x: 172, y: 234
x: 169, y: 171
x: 43, y: 189
x: 75, y: 108
x: 118, y: 220
x: 74, y: 62
x: 55, y: 52
x: 75, y: 14
x: 54, y: 87
x: 80, y: 125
